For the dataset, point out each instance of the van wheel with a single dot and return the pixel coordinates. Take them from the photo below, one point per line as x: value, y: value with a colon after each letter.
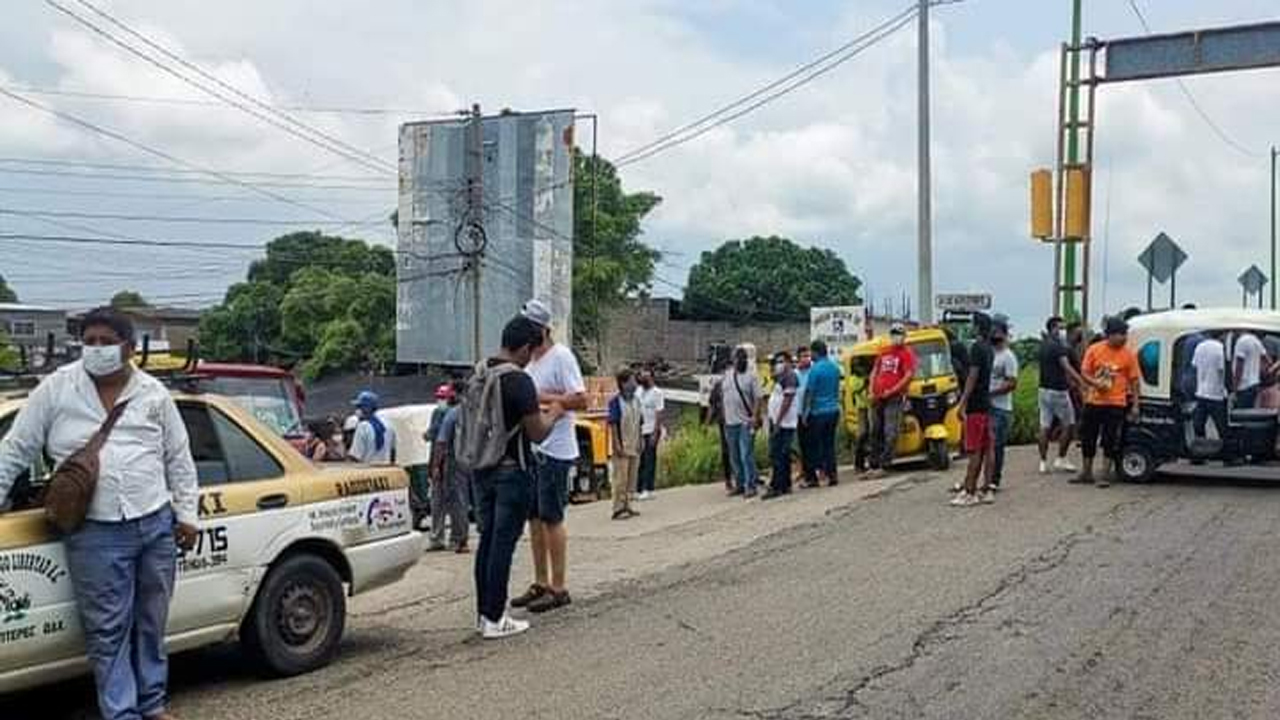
x: 1136, y: 464
x: 939, y: 455
x: 297, y: 619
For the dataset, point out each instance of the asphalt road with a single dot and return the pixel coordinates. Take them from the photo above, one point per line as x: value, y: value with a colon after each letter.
x: 1059, y: 601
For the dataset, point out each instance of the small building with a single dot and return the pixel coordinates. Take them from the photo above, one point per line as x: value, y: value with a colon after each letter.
x: 29, y: 327
x: 167, y: 327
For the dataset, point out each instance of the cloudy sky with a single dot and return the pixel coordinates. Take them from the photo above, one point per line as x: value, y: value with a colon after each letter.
x: 832, y: 164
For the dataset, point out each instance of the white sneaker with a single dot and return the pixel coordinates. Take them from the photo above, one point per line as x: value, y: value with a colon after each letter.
x: 964, y: 499
x: 504, y: 628
x: 645, y: 496
x: 987, y: 497
x: 1064, y: 465
x: 1044, y: 468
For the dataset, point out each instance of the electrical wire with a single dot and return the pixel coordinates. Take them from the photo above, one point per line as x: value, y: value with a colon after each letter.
x: 1191, y: 98
x: 195, y: 102
x: 267, y: 113
x: 59, y: 162
x: 158, y: 196
x: 124, y: 177
x: 778, y: 88
x: 177, y: 219
x: 105, y: 132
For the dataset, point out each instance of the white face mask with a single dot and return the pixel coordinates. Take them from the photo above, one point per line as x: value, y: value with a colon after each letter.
x: 102, y: 360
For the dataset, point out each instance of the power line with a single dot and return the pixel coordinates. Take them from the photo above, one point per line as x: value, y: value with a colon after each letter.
x: 178, y: 219
x: 157, y: 196
x: 778, y: 88
x: 105, y: 132
x: 195, y: 102
x: 59, y: 162
x: 125, y: 177
x: 271, y: 116
x: 1191, y: 98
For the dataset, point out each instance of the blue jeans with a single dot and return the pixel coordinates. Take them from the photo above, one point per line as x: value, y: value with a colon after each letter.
x: 823, y: 430
x: 504, y: 496
x: 1001, y: 424
x: 780, y: 457
x: 122, y: 574
x: 743, y: 456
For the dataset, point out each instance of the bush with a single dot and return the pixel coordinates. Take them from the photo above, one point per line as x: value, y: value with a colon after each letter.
x: 690, y: 455
x: 1026, y: 407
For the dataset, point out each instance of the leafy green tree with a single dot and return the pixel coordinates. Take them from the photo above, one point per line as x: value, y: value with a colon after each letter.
x: 128, y: 299
x: 245, y: 326
x: 610, y: 261
x: 325, y: 300
x: 6, y: 293
x: 767, y: 278
x: 9, y: 357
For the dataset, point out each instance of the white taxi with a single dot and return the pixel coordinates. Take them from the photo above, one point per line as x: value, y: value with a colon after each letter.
x: 282, y: 543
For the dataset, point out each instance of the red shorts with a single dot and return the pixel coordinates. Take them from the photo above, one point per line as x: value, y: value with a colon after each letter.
x: 978, y: 433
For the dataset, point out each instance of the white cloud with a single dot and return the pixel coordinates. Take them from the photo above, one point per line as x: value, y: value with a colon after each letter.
x: 833, y: 162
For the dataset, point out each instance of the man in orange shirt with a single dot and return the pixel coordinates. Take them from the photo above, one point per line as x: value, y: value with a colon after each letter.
x: 1110, y: 372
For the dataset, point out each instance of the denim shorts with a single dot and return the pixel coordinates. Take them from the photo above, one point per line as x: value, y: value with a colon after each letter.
x: 551, y: 490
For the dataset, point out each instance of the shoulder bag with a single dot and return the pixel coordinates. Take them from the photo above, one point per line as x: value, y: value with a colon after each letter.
x: 73, y: 484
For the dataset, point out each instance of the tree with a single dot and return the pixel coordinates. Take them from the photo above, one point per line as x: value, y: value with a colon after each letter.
x: 327, y: 301
x: 767, y: 278
x: 7, y: 294
x: 128, y: 300
x: 9, y: 357
x: 610, y: 263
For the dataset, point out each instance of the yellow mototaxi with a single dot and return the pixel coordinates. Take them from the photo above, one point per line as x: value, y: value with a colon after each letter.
x: 931, y: 428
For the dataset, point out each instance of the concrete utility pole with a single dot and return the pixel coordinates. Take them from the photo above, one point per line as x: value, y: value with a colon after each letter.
x: 1275, y: 154
x: 925, y: 221
x: 473, y: 228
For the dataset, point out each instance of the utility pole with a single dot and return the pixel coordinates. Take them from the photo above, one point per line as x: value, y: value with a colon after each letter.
x: 470, y: 238
x: 925, y: 211
x: 1069, y: 280
x: 1275, y: 154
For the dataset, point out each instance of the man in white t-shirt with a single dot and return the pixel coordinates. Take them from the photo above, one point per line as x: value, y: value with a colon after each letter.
x: 1249, y: 355
x: 558, y: 378
x: 652, y: 405
x: 1210, y: 363
x: 374, y: 442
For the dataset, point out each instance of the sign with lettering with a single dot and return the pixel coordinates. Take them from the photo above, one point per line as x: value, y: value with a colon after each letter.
x: 839, y: 327
x: 960, y: 302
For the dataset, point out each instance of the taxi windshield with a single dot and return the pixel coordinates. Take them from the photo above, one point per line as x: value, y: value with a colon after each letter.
x: 267, y: 399
x: 932, y: 359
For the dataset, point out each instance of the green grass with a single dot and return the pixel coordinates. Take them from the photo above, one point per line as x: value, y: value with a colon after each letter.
x: 1026, y: 407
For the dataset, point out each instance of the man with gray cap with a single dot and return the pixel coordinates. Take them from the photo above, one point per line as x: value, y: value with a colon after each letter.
x: 558, y: 379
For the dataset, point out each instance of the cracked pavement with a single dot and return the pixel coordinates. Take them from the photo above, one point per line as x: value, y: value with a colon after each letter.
x: 1057, y: 602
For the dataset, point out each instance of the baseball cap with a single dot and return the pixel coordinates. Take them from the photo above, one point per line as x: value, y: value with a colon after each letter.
x: 537, y: 312
x: 897, y: 329
x: 1116, y: 326
x: 366, y: 399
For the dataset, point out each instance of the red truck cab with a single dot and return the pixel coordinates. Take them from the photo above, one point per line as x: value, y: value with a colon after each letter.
x: 272, y: 395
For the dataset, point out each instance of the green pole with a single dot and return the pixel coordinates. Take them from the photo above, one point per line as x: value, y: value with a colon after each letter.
x: 1073, y: 154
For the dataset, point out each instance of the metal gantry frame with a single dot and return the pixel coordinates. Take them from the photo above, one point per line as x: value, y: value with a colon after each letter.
x: 1066, y: 288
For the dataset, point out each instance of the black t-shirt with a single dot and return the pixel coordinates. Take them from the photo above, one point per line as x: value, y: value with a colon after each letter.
x: 959, y: 361
x: 1052, y: 376
x: 980, y: 358
x: 519, y: 398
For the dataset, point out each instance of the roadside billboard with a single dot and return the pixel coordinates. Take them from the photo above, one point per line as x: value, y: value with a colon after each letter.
x: 839, y: 327
x: 528, y: 222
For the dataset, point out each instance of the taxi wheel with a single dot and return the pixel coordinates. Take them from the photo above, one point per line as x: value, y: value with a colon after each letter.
x: 297, y: 620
